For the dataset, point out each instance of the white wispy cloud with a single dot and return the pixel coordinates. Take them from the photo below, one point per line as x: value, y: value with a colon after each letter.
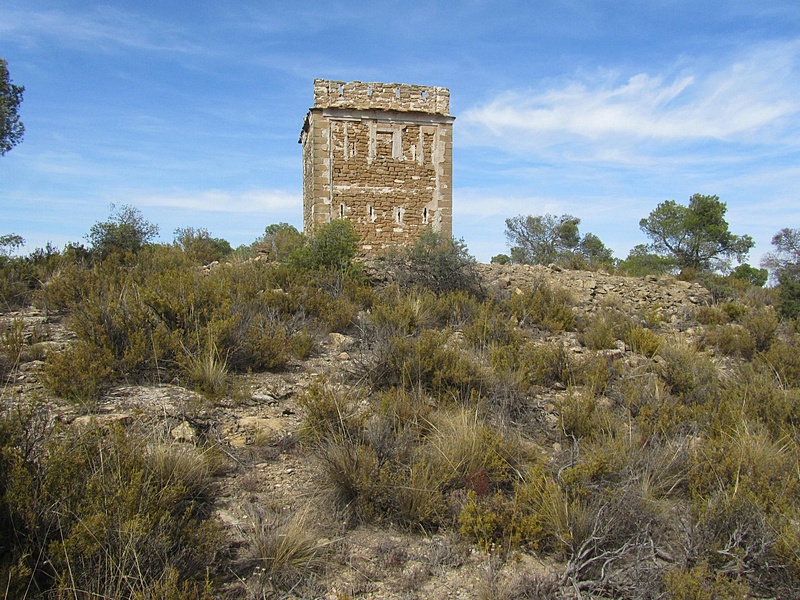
x: 249, y: 201
x: 105, y: 27
x: 755, y: 97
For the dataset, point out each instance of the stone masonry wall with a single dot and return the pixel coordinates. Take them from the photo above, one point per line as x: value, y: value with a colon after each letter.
x: 379, y: 155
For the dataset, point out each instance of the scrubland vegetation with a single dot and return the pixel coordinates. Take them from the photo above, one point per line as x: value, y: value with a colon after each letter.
x: 636, y: 457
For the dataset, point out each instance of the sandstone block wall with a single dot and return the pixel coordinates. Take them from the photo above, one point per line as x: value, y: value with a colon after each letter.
x: 379, y: 154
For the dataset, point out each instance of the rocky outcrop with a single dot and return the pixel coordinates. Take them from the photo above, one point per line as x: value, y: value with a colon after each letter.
x: 671, y: 298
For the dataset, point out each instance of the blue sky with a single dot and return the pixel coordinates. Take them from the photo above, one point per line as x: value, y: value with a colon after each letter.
x: 191, y: 111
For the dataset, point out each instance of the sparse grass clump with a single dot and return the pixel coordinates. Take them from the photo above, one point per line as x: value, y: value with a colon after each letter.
x: 285, y: 550
x: 402, y: 461
x: 208, y: 372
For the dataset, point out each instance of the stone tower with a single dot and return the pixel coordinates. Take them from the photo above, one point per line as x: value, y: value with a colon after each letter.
x: 381, y: 155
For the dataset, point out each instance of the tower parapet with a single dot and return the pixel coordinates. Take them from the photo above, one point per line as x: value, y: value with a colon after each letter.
x: 381, y: 96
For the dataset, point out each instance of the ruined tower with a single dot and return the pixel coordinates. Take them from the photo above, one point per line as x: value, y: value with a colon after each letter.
x: 379, y: 154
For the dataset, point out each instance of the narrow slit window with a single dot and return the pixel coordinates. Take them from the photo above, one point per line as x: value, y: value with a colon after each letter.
x: 369, y: 91
x: 341, y: 211
x: 341, y: 89
x: 397, y: 93
x: 425, y: 216
x: 424, y: 95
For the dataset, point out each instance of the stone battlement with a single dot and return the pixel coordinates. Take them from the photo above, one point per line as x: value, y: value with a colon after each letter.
x: 381, y: 96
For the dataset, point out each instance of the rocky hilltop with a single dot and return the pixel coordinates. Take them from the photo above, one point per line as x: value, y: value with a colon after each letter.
x: 271, y: 473
x: 594, y: 290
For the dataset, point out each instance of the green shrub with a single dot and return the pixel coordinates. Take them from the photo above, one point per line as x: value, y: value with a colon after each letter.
x: 302, y: 343
x: 107, y: 513
x: 399, y: 313
x: 431, y: 362
x: 332, y: 247
x: 153, y: 316
x: 699, y: 583
x: 690, y: 375
x: 783, y: 358
x: 126, y: 231
x: 80, y: 373
x: 279, y: 241
x: 200, y: 246
x: 547, y: 364
x: 491, y: 327
x: 761, y: 325
x: 543, y: 306
x: 643, y: 341
x: 456, y: 309
x: 532, y: 364
x: 657, y: 414
x: 731, y: 340
x: 498, y: 522
x: 436, y: 263
x: 711, y: 315
x: 579, y: 415
x: 259, y: 342
x: 12, y: 344
x: 22, y: 277
x: 595, y: 372
x: 754, y: 391
x: 599, y: 333
x: 735, y: 310
x: 332, y: 309
x: 789, y: 297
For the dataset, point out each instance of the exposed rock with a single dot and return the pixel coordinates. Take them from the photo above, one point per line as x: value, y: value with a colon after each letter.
x: 666, y: 297
x: 246, y: 429
x: 340, y: 343
x: 184, y: 433
x: 103, y: 421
